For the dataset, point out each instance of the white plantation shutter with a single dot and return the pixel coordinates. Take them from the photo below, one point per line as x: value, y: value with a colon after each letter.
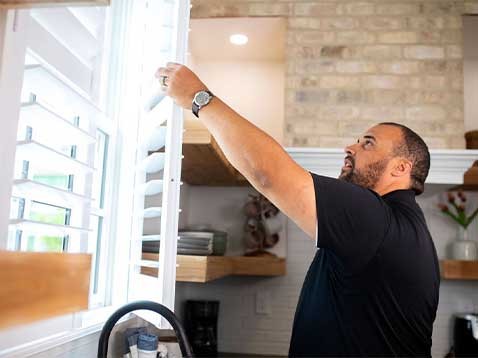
x: 63, y: 140
x: 163, y: 38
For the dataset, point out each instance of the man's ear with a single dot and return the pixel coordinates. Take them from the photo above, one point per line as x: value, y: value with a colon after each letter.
x: 403, y: 167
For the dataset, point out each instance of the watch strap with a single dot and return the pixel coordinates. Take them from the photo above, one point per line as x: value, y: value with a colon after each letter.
x: 195, y: 109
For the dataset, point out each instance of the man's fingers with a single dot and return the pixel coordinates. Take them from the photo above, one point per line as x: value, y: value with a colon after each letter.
x: 163, y: 71
x: 173, y: 65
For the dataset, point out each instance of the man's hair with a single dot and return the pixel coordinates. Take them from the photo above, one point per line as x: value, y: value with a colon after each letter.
x: 414, y: 148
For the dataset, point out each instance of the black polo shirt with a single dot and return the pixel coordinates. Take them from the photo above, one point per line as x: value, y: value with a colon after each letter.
x: 372, y: 288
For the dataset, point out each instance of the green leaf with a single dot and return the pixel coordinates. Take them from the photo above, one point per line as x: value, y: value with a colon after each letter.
x: 455, y: 218
x: 471, y: 218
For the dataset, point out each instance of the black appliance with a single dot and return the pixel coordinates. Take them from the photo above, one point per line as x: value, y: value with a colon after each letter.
x: 465, y: 335
x: 201, y: 326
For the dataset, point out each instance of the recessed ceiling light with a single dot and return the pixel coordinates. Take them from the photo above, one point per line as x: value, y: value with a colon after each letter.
x: 238, y: 39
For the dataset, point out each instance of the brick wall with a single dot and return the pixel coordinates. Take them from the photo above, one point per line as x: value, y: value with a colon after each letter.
x: 351, y: 64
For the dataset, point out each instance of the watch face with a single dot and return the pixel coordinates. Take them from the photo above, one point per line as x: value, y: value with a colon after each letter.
x: 202, y: 98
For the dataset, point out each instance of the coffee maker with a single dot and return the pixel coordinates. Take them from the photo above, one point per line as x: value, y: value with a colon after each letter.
x: 465, y: 335
x: 201, y: 326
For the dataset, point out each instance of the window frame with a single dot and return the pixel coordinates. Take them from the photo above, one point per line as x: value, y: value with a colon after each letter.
x: 39, y: 336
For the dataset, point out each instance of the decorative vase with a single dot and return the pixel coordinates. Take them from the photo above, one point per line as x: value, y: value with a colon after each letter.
x: 464, y: 248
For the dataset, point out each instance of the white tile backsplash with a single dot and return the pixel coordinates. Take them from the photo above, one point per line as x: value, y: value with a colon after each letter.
x: 241, y: 330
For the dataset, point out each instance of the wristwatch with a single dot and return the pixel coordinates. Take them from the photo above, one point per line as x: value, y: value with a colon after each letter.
x: 201, y: 99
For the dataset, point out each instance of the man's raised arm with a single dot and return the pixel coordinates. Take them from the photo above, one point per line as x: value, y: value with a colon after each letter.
x: 255, y: 154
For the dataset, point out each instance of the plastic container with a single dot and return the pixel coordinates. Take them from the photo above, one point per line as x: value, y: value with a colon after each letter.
x: 147, y: 346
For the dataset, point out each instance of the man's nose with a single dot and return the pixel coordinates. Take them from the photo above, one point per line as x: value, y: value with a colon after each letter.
x: 350, y: 150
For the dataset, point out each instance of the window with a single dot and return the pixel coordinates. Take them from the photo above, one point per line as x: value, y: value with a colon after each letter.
x: 62, y: 151
x: 94, y: 173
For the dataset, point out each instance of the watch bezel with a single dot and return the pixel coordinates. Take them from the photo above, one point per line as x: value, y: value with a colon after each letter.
x: 208, y: 99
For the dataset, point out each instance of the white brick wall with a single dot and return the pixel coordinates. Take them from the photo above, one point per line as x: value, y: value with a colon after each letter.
x: 339, y: 51
x: 241, y: 330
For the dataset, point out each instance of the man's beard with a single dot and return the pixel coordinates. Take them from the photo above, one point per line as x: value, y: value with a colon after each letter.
x: 367, y: 177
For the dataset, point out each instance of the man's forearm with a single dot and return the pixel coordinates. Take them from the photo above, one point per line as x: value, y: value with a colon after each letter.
x: 249, y: 149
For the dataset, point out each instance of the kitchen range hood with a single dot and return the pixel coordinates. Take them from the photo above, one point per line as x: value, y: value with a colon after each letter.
x: 447, y: 165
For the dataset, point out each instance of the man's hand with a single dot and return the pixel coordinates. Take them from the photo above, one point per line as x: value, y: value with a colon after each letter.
x: 181, y: 83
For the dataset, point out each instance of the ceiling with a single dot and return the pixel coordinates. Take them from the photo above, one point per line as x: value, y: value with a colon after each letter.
x: 209, y: 39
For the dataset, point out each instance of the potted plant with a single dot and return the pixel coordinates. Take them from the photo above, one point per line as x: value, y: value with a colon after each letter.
x: 463, y: 248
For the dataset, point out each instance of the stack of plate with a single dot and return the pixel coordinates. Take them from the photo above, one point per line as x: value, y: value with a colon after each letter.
x: 189, y: 243
x: 195, y: 243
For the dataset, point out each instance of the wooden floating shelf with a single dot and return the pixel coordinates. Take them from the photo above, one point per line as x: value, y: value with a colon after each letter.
x: 465, y: 187
x: 41, y: 285
x: 204, y: 162
x: 207, y: 268
x: 459, y: 270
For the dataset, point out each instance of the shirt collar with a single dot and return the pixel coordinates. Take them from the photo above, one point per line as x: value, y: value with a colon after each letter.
x: 400, y: 195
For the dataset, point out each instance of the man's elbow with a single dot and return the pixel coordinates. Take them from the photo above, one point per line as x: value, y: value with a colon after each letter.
x: 262, y: 179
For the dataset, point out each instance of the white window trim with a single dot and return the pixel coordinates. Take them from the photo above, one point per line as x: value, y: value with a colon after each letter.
x: 61, y: 331
x: 94, y: 318
x: 122, y: 191
x: 13, y: 38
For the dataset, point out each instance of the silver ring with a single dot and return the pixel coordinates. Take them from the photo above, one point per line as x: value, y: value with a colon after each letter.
x: 163, y: 81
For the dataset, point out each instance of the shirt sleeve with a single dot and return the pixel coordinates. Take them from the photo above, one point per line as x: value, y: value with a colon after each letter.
x: 352, y: 221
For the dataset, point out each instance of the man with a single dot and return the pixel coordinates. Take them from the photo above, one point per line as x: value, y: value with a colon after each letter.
x: 372, y: 288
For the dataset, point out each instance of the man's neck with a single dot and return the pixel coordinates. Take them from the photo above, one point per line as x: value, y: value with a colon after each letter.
x: 385, y: 189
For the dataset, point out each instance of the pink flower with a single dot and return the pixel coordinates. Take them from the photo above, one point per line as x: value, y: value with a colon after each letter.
x: 443, y: 207
x: 451, y: 197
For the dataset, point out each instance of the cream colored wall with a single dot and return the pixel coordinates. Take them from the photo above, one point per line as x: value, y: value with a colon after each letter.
x: 254, y: 89
x: 471, y: 72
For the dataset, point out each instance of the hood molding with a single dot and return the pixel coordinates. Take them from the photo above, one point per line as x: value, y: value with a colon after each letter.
x: 447, y: 165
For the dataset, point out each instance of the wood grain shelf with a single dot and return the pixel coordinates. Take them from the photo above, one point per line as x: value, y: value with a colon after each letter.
x: 207, y: 268
x: 41, y: 285
x: 465, y: 187
x: 459, y: 270
x: 204, y: 162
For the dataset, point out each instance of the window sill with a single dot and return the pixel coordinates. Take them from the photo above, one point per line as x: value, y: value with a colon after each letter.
x: 88, y: 322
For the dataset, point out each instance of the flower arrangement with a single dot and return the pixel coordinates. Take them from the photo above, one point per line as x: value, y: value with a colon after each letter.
x: 260, y: 214
x: 458, y: 214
